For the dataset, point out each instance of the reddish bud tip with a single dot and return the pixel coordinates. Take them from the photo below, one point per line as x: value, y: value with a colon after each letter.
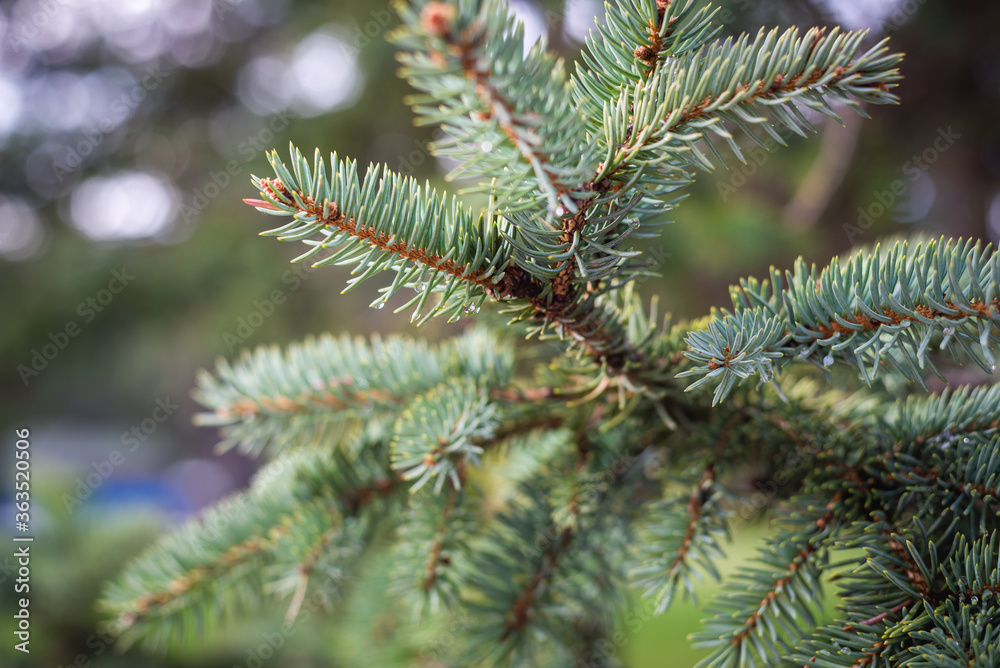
x: 436, y: 18
x: 261, y: 204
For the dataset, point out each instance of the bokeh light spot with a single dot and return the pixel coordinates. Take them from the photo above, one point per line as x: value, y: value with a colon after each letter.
x: 126, y: 206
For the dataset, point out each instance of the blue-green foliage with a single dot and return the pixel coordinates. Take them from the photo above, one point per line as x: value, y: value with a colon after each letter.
x: 878, y: 311
x: 520, y: 496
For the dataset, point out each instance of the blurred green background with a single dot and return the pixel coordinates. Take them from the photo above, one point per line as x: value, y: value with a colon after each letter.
x: 128, y: 132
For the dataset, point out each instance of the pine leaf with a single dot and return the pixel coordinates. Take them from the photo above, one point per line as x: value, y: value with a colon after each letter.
x: 223, y: 564
x: 315, y: 392
x: 682, y: 531
x: 387, y: 222
x: 764, y: 607
x: 506, y: 110
x: 878, y: 311
x: 437, y: 437
x: 433, y: 549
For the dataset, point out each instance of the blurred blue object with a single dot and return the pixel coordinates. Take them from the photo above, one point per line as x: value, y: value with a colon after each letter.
x: 140, y: 493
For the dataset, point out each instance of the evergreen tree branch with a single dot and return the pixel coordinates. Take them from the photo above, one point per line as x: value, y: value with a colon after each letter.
x: 761, y: 615
x: 523, y: 496
x: 958, y: 628
x: 679, y: 538
x: 433, y: 549
x: 437, y: 559
x: 742, y: 82
x: 545, y: 568
x: 387, y: 222
x: 501, y: 109
x: 884, y: 600
x: 436, y: 437
x: 954, y: 483
x: 658, y: 30
x: 220, y: 565
x: 318, y: 548
x: 882, y: 310
x: 697, y: 91
x: 953, y: 413
x: 273, y: 398
x: 526, y: 537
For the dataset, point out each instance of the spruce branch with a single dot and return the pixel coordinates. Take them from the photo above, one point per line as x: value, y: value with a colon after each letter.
x: 514, y: 500
x: 550, y: 564
x: 958, y: 637
x: 877, y: 311
x: 733, y: 348
x: 654, y: 29
x: 507, y: 110
x: 958, y: 629
x: 884, y: 599
x: 658, y: 124
x: 683, y: 531
x: 761, y: 616
x: 436, y: 437
x: 433, y: 549
x: 654, y: 130
x: 501, y: 593
x: 253, y: 543
x: 316, y: 391
x: 954, y: 476
x: 962, y: 412
x: 319, y: 548
x: 459, y: 41
x: 387, y: 222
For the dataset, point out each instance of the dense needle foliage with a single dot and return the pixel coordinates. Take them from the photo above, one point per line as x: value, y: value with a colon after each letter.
x: 524, y: 502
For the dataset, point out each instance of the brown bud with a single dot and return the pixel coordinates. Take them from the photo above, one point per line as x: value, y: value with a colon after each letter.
x: 276, y: 189
x: 435, y: 18
x: 646, y: 54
